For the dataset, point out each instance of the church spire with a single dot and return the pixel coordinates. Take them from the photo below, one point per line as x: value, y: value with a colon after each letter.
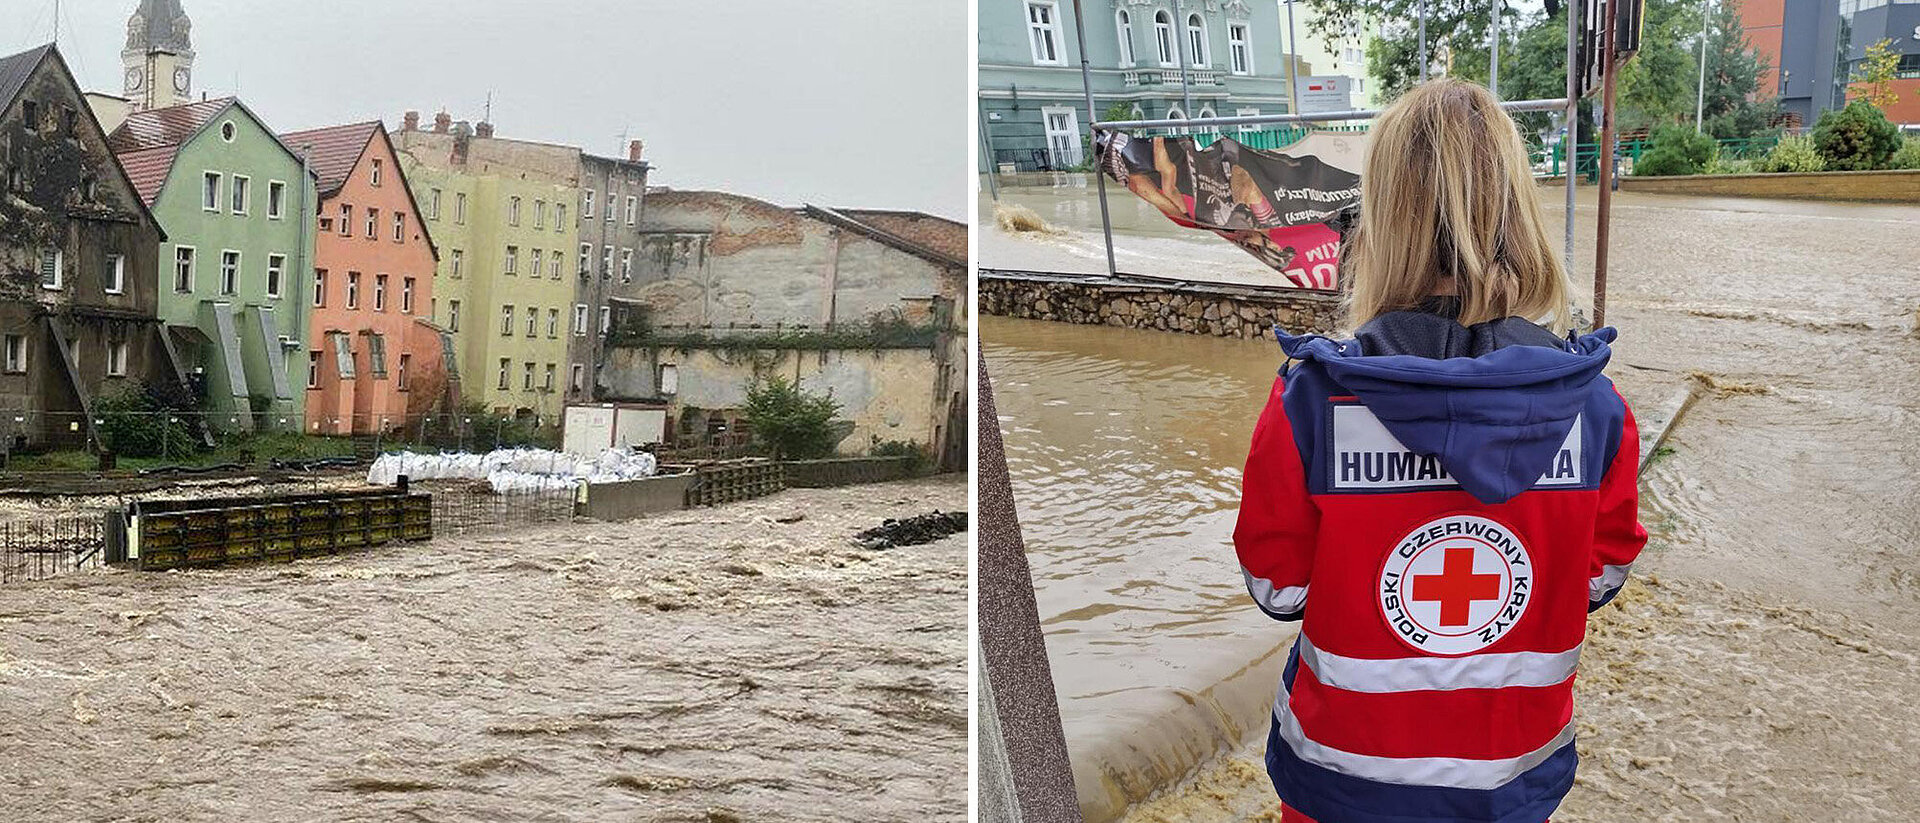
x: 160, y: 25
x: 159, y: 55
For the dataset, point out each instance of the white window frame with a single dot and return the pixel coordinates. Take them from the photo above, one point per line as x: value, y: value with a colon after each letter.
x: 1163, y: 42
x: 1240, y: 49
x: 460, y: 208
x: 240, y: 195
x: 453, y: 315
x: 193, y: 268
x: 16, y: 361
x: 513, y: 211
x: 606, y: 320
x: 116, y: 358
x: 380, y: 292
x: 633, y: 210
x: 276, y: 199
x: 399, y: 227
x: 373, y: 223
x: 553, y: 323
x: 313, y: 369
x: 577, y: 377
x: 506, y: 320
x: 458, y: 263
x: 539, y: 267
x: 59, y: 270
x: 400, y: 375
x: 1174, y: 113
x: 559, y: 216
x: 1044, y: 38
x: 559, y: 259
x: 606, y: 262
x: 1199, y: 41
x: 433, y: 205
x: 116, y: 274
x: 512, y: 264
x: 375, y: 174
x: 353, y: 290
x: 319, y: 288
x: 346, y: 220
x: 506, y: 369
x: 526, y: 383
x: 210, y: 182
x: 533, y: 321
x: 276, y: 274
x: 406, y: 295
x: 1247, y: 112
x: 1123, y: 28
x: 586, y: 259
x: 539, y: 214
x: 626, y: 265
x: 586, y: 204
x: 579, y: 320
x: 1063, y: 145
x: 230, y: 276
x: 548, y: 384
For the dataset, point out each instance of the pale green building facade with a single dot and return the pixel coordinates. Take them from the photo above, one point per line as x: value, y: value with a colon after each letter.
x: 237, y: 205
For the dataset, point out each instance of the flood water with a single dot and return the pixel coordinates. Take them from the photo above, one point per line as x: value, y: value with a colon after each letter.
x: 744, y: 662
x: 1793, y: 484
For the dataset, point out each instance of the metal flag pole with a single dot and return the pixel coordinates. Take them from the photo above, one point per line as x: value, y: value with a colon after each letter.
x: 1700, y: 101
x: 1093, y: 116
x: 1493, y: 63
x: 1293, y: 63
x: 1571, y: 120
x: 1423, y: 41
x: 1180, y: 47
x: 1607, y: 89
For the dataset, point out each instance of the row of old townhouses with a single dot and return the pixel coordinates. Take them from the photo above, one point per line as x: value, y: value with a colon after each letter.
x: 351, y: 279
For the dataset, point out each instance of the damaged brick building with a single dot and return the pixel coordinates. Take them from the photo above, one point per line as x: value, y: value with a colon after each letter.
x: 867, y: 306
x: 79, y: 252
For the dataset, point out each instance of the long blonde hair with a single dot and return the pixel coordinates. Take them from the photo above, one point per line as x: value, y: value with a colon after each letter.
x: 1448, y: 198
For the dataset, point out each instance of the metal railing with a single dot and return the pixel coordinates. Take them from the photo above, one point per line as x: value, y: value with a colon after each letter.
x: 43, y: 548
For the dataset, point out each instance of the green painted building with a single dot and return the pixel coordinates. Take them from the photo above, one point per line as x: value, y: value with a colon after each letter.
x: 237, y: 206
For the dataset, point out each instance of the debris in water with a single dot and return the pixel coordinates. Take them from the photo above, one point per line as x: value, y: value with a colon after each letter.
x: 1728, y: 388
x: 912, y: 531
x: 1017, y: 219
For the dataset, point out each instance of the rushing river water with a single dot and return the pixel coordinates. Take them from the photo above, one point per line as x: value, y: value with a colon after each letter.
x: 744, y: 662
x: 1793, y: 484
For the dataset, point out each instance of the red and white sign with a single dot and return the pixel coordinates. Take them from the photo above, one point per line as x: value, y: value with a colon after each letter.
x: 1456, y: 585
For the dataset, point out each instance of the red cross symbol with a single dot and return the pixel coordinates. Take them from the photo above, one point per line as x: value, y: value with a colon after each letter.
x: 1456, y: 587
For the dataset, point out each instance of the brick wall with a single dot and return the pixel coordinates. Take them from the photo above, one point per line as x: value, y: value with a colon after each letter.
x: 1873, y: 186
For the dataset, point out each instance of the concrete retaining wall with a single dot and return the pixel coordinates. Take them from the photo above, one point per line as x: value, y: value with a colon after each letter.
x: 1872, y: 186
x: 1212, y: 309
x: 821, y: 474
x: 633, y: 498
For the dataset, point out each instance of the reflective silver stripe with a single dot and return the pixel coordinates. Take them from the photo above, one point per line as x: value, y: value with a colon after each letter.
x: 1278, y: 600
x: 1609, y: 578
x: 1412, y: 674
x: 1454, y: 772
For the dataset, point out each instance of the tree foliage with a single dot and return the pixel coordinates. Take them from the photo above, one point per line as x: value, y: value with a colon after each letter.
x: 1734, y: 68
x: 1873, y: 81
x: 1793, y: 154
x: 144, y: 421
x: 793, y: 423
x: 1856, y: 138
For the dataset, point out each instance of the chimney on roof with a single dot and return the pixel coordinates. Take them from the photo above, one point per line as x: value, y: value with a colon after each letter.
x: 442, y: 122
x: 484, y: 130
x: 411, y: 122
x: 634, y: 150
x: 462, y: 142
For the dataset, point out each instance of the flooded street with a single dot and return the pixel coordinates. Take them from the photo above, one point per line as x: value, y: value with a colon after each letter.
x: 737, y: 663
x: 1768, y: 675
x: 1146, y: 242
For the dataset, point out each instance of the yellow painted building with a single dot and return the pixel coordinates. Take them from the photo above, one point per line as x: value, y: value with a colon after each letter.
x: 502, y: 213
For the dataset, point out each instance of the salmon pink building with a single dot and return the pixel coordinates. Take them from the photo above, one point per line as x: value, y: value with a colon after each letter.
x: 375, y: 360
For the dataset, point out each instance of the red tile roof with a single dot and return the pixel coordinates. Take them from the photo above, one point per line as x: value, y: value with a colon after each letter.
x: 170, y: 126
x: 147, y: 169
x: 335, y: 151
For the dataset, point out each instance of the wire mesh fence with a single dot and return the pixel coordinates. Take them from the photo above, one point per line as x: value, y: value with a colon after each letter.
x: 473, y: 507
x: 48, y: 547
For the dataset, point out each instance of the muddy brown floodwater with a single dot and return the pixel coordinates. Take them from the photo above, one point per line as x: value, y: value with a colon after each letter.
x: 717, y: 664
x: 1762, y: 665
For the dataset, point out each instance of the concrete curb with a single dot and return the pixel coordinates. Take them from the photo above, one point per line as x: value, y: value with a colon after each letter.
x: 1183, y: 730
x: 1660, y: 421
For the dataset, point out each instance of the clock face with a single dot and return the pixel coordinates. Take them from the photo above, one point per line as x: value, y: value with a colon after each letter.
x: 135, y: 79
x: 180, y: 79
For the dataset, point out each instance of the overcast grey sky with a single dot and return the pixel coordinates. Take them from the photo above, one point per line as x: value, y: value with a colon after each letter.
x: 850, y: 103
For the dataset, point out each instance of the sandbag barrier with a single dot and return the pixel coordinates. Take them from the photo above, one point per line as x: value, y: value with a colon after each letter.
x: 173, y: 534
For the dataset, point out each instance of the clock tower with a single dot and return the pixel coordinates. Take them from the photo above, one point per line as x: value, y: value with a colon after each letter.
x: 158, y: 59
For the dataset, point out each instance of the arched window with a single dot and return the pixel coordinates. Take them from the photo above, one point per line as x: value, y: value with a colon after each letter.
x: 1206, y: 112
x: 1123, y: 22
x: 1174, y: 113
x: 1163, y: 38
x: 1137, y: 113
x: 1197, y: 49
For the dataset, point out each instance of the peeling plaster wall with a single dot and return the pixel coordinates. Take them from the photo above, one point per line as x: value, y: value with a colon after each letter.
x: 885, y: 394
x: 50, y: 209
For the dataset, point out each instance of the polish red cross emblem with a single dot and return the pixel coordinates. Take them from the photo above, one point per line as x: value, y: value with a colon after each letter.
x: 1455, y: 584
x: 1456, y: 587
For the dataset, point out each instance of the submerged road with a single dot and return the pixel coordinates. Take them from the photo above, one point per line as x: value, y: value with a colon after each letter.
x: 1766, y: 677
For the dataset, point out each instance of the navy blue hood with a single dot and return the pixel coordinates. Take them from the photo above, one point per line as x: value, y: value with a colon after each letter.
x: 1495, y: 420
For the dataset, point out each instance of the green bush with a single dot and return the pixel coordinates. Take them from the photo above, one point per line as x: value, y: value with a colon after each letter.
x: 1856, y: 138
x: 792, y: 423
x: 1793, y: 154
x: 1677, y: 150
x: 1731, y: 165
x: 137, y: 421
x: 1908, y: 157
